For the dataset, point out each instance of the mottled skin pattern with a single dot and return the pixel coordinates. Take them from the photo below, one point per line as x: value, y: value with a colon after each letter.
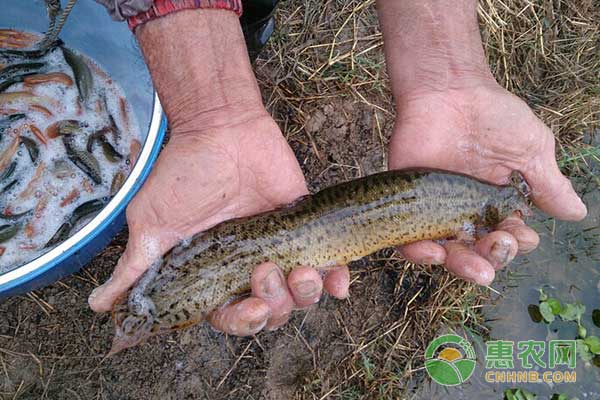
x: 334, y: 226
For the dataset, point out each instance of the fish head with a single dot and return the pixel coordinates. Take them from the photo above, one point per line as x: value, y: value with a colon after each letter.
x: 130, y: 328
x: 69, y: 126
x: 505, y: 203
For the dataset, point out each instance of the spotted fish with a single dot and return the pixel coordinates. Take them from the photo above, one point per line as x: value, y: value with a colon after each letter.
x: 337, y: 225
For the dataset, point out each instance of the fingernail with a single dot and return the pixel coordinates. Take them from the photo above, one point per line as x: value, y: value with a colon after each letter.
x: 484, y: 277
x: 98, y: 291
x: 255, y: 326
x: 433, y: 260
x: 306, y: 289
x: 527, y: 246
x: 341, y: 288
x: 501, y: 252
x: 279, y: 322
x: 272, y: 284
x: 578, y: 208
x: 480, y: 277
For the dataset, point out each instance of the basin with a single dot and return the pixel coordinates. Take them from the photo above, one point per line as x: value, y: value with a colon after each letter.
x: 90, y: 30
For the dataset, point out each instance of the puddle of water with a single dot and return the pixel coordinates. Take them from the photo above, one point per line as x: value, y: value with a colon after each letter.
x: 567, y: 265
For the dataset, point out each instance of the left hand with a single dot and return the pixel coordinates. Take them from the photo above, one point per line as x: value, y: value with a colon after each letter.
x: 484, y: 131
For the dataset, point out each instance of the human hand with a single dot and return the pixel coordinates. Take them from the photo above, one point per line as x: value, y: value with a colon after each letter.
x: 484, y: 131
x: 226, y: 158
x: 204, y: 178
x: 453, y: 115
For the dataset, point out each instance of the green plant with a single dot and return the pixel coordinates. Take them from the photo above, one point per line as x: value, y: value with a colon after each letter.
x: 519, y: 394
x: 522, y: 394
x: 550, y: 308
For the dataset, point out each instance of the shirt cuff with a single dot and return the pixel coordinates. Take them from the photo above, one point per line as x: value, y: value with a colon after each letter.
x: 161, y: 8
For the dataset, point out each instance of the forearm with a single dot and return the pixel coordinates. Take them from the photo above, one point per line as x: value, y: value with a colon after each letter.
x: 431, y: 44
x: 200, y: 68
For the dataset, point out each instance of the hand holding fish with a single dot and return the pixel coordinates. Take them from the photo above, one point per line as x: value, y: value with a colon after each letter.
x: 201, y: 180
x: 453, y: 115
x: 219, y: 164
x: 484, y: 132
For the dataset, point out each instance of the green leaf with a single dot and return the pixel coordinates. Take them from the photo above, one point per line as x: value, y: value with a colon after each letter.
x: 596, y: 317
x: 534, y: 313
x: 583, y: 350
x: 519, y: 394
x: 543, y: 295
x: 554, y: 305
x: 546, y: 311
x: 593, y: 343
x: 581, y: 331
x: 572, y: 312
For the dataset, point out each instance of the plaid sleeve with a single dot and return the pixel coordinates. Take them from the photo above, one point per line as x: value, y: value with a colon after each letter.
x: 159, y: 8
x: 119, y: 10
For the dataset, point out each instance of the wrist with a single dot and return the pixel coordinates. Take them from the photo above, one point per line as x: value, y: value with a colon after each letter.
x: 432, y: 45
x: 200, y: 69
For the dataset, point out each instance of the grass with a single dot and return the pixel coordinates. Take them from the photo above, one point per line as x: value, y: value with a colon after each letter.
x: 545, y: 52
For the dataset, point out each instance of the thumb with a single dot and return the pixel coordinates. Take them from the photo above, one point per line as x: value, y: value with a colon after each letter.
x: 551, y: 191
x: 141, y: 251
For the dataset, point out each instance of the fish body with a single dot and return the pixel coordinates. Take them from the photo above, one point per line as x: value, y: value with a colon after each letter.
x: 81, y: 72
x: 337, y: 225
x: 82, y: 211
x: 84, y: 160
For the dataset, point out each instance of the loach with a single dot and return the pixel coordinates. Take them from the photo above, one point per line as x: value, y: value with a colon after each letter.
x: 337, y: 225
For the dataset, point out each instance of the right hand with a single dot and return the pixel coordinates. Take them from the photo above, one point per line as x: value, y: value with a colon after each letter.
x: 207, y: 176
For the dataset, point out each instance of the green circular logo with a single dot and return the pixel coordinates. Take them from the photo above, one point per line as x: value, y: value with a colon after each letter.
x: 450, y: 360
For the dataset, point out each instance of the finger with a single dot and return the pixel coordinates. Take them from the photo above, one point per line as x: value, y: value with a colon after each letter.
x: 306, y: 286
x: 551, y: 191
x: 424, y: 252
x: 135, y: 260
x: 527, y: 238
x: 498, y: 247
x: 466, y: 264
x: 337, y: 282
x: 268, y: 283
x: 242, y: 318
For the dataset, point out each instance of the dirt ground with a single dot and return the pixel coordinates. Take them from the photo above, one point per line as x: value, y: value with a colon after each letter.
x: 324, y: 79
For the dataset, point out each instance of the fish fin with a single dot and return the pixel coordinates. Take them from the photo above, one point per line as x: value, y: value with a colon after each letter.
x: 518, y: 181
x: 293, y: 203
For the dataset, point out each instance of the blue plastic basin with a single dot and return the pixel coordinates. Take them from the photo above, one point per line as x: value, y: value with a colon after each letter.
x: 91, y: 31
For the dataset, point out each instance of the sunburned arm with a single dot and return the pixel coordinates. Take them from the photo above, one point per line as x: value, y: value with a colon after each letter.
x: 431, y: 44
x: 200, y: 68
